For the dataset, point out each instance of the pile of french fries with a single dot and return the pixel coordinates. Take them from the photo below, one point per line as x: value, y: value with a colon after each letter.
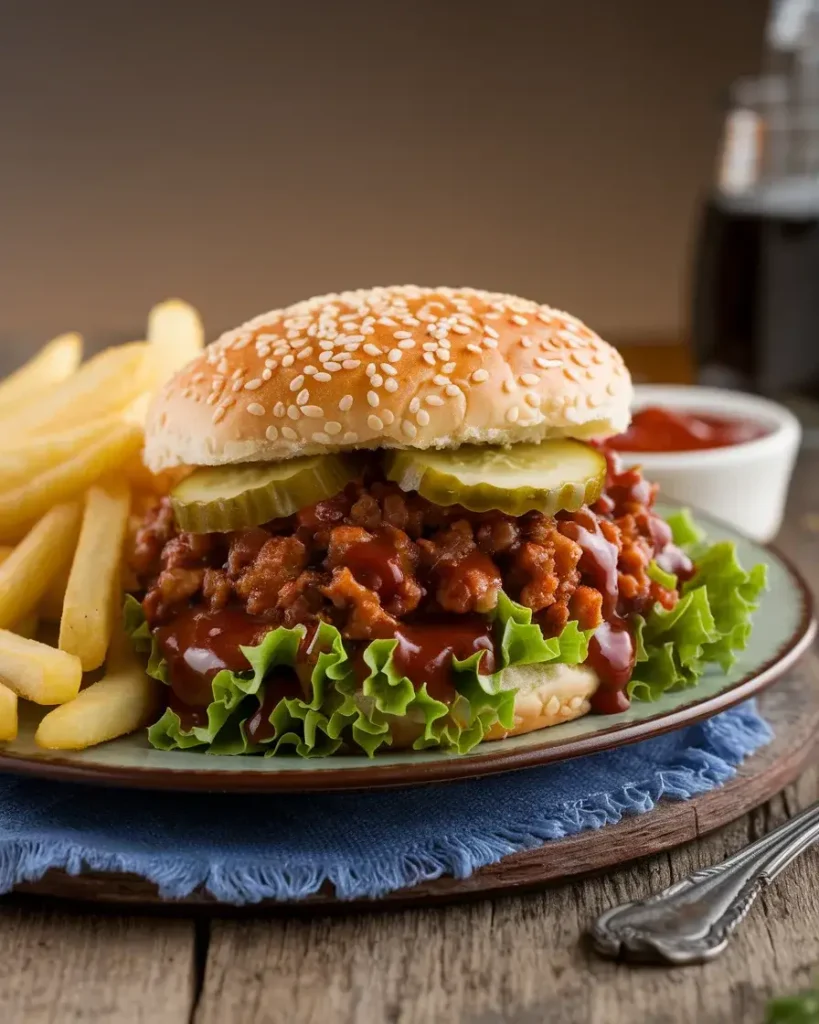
x: 71, y: 483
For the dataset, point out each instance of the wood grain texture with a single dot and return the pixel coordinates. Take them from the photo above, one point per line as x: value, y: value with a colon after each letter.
x: 56, y: 968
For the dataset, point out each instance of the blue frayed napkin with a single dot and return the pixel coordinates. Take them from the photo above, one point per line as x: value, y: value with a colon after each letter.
x: 243, y: 849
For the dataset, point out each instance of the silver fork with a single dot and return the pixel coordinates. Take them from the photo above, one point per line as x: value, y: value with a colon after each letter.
x: 692, y: 921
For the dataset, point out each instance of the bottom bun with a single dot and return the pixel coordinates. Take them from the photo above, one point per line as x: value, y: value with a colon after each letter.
x: 546, y: 695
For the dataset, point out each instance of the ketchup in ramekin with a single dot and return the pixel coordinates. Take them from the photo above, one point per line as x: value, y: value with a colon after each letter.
x: 654, y: 429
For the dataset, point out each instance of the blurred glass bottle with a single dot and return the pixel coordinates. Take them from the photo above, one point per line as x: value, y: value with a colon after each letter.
x: 756, y: 282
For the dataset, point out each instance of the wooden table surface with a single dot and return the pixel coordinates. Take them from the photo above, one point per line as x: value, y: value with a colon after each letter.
x: 518, y: 959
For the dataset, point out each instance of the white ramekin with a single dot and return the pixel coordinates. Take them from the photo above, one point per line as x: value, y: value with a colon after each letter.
x: 745, y: 484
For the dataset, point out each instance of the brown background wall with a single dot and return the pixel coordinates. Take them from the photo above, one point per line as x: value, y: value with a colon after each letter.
x: 246, y: 154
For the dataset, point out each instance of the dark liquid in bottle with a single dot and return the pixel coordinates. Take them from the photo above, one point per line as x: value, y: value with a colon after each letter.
x: 756, y: 300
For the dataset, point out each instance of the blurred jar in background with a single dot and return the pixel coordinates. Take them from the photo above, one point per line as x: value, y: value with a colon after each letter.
x: 755, y: 319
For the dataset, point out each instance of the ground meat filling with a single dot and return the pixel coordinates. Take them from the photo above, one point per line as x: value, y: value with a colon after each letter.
x: 374, y: 557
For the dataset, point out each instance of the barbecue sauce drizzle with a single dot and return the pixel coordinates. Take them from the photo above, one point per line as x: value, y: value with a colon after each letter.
x: 198, y: 644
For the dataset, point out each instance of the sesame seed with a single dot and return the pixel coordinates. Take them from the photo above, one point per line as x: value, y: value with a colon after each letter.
x: 352, y: 348
x: 370, y: 369
x: 387, y: 321
x: 525, y: 342
x: 406, y: 344
x: 422, y: 416
x: 394, y: 355
x: 350, y: 437
x: 288, y: 360
x: 571, y: 374
x: 237, y: 386
x: 442, y: 353
x: 448, y: 368
x: 375, y: 422
x: 508, y: 385
x: 490, y: 343
x: 401, y: 334
x: 218, y: 416
x: 325, y: 356
x: 293, y: 412
x: 452, y: 390
x: 346, y: 403
x: 415, y: 404
x: 310, y: 370
x: 440, y: 380
x: 429, y: 358
x: 321, y: 438
x: 372, y: 350
x: 351, y: 364
x: 303, y: 397
x: 326, y: 346
x: 547, y: 364
x: 389, y: 369
x: 512, y: 414
x: 491, y: 332
x: 289, y: 433
x: 473, y: 348
x: 390, y: 384
x: 271, y: 433
x: 271, y: 364
x: 388, y: 417
x: 278, y: 409
x: 480, y: 375
x: 332, y: 427
x: 521, y: 321
x: 544, y: 318
x: 267, y: 374
x: 408, y: 428
x: 297, y: 382
x: 434, y: 400
x: 376, y: 380
x: 366, y: 329
x: 373, y: 399
x: 460, y: 329
x: 305, y: 353
x: 410, y: 321
x: 255, y: 409
x: 332, y: 367
x: 237, y: 374
x: 529, y: 378
x: 430, y: 346
x: 323, y: 377
x: 315, y: 412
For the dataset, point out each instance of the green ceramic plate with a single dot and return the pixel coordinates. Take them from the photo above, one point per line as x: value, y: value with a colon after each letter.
x: 783, y: 629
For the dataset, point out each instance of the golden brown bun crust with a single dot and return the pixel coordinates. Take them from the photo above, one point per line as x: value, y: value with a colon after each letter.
x: 390, y: 367
x: 547, y: 695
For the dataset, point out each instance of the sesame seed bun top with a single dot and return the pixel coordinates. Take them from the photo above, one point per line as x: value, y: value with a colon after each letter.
x: 398, y: 367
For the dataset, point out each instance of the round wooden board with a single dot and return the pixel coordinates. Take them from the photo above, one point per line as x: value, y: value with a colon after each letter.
x: 791, y: 707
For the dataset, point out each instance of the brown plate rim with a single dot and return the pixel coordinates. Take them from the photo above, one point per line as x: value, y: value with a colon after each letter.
x: 451, y: 770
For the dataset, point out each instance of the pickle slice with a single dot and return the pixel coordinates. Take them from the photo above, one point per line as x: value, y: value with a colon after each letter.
x: 218, y: 499
x: 546, y: 477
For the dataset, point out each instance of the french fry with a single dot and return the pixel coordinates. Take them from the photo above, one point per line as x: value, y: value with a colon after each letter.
x: 35, y: 562
x: 105, y: 384
x: 124, y: 700
x: 38, y: 672
x: 51, y: 605
x: 28, y: 501
x: 55, y: 362
x: 36, y: 454
x: 175, y: 330
x: 8, y: 714
x: 89, y: 607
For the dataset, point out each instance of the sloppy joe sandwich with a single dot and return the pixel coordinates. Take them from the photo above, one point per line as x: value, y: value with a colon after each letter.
x: 400, y: 527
